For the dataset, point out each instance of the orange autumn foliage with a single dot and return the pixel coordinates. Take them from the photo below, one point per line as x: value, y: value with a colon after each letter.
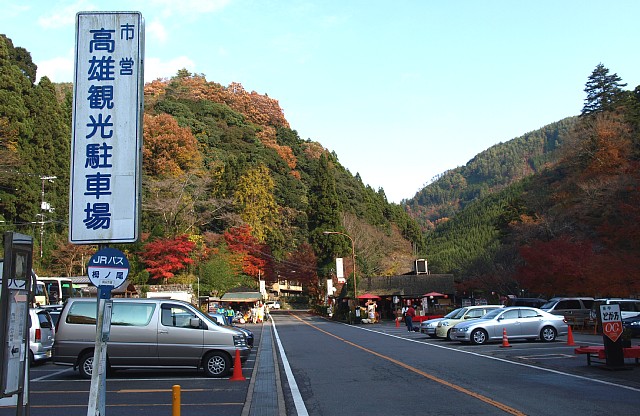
x: 168, y: 148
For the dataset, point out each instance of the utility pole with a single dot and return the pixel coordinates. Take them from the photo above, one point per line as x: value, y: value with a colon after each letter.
x: 44, y: 206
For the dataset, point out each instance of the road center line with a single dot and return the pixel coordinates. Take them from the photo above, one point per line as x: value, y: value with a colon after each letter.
x: 431, y: 377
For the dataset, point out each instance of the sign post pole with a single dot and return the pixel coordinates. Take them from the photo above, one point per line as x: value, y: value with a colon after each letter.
x: 611, y: 332
x: 97, y: 394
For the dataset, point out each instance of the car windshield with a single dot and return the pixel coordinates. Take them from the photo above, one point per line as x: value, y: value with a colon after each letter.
x: 492, y: 314
x: 452, y: 313
x: 549, y: 304
x: 460, y: 313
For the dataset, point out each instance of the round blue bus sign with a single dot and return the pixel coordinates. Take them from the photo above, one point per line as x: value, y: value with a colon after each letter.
x: 108, y: 267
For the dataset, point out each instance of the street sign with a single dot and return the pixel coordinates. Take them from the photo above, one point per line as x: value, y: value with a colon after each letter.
x: 106, y: 143
x: 611, y: 321
x: 108, y: 267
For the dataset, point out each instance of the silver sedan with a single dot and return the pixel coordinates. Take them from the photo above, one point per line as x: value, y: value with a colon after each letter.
x: 517, y: 322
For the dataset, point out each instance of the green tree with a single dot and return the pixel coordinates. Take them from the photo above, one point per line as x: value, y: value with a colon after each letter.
x: 15, y: 89
x: 254, y: 195
x: 324, y: 214
x: 603, y: 91
x: 220, y: 273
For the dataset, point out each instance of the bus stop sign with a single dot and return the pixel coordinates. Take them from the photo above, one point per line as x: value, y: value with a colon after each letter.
x: 108, y: 267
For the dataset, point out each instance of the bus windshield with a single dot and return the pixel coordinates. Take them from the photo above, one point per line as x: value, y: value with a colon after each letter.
x: 59, y: 289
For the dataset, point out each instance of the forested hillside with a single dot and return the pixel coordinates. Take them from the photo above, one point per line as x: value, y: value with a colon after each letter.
x: 488, y: 172
x: 230, y: 191
x: 572, y: 228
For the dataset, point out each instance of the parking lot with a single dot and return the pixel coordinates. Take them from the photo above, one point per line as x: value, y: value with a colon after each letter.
x: 555, y: 356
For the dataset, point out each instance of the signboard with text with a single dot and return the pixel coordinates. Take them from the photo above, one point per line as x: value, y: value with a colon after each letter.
x: 611, y: 321
x: 106, y: 148
x: 108, y: 267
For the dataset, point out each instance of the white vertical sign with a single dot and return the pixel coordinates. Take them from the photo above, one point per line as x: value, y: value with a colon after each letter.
x: 340, y: 270
x: 106, y: 148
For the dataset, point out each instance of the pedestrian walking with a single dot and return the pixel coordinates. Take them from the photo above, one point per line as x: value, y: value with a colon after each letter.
x: 408, y: 318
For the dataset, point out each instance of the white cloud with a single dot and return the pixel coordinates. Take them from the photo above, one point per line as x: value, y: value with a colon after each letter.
x: 64, y: 16
x: 154, y: 68
x: 189, y: 7
x: 157, y: 30
x: 58, y: 69
x: 14, y: 10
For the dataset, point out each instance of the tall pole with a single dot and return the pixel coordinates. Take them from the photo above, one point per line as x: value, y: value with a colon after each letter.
x: 353, y: 259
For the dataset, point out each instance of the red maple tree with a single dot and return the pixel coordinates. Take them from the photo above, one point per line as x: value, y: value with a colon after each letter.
x: 165, y: 256
x: 240, y: 240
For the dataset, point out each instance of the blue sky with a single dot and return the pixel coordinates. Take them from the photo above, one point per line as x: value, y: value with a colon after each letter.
x: 400, y: 90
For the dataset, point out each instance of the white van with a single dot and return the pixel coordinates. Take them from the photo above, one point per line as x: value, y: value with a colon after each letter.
x: 628, y: 307
x: 41, y: 335
x: 149, y: 333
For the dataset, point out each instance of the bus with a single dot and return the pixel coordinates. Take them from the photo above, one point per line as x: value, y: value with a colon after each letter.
x: 40, y: 295
x: 58, y: 289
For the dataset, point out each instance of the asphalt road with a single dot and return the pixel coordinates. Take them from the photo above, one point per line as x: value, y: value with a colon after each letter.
x: 329, y: 368
x: 380, y: 369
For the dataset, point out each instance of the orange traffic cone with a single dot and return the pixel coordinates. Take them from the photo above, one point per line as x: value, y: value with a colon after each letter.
x: 570, y: 341
x: 505, y: 340
x: 237, y: 369
x: 397, y: 322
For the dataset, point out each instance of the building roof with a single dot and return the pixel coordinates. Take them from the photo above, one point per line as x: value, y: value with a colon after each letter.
x: 241, y: 297
x: 408, y: 285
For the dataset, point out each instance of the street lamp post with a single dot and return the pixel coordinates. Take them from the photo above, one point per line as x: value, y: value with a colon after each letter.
x: 353, y: 259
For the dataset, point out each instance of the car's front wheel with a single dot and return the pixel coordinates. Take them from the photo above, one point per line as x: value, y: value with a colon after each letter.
x: 85, y: 365
x: 479, y: 336
x: 548, y: 334
x: 216, y: 364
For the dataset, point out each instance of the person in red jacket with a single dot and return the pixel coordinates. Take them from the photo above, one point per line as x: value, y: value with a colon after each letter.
x: 408, y: 318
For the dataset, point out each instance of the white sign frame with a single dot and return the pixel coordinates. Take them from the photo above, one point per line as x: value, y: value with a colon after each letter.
x: 106, y: 148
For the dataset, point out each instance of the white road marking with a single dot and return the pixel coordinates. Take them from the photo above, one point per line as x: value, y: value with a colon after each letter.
x: 295, y: 392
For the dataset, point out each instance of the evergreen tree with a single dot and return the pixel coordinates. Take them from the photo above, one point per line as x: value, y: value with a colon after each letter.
x: 324, y: 214
x: 50, y: 148
x: 603, y: 91
x: 15, y: 88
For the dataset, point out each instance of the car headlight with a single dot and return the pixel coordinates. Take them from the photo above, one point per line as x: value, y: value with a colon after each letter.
x: 445, y: 324
x: 634, y: 323
x: 462, y: 329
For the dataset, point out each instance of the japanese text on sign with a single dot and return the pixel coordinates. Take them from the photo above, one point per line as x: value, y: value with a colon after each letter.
x: 107, y: 139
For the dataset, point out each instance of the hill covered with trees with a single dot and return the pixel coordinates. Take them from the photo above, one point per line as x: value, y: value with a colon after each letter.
x: 565, y: 226
x: 230, y: 191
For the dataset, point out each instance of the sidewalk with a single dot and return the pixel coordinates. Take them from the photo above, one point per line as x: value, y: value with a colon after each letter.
x: 265, y: 396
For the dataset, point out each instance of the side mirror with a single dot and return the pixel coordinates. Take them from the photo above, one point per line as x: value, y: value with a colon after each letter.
x: 195, y: 322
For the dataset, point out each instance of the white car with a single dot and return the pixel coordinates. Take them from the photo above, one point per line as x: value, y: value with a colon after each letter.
x: 273, y: 304
x: 429, y: 327
x: 443, y: 328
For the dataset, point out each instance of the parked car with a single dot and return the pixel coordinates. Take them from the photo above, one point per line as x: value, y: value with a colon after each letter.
x: 147, y: 333
x: 54, y: 313
x: 574, y: 308
x: 429, y: 327
x: 519, y: 322
x: 273, y: 304
x: 469, y: 312
x: 628, y: 307
x: 535, y: 302
x: 632, y: 324
x: 220, y: 320
x: 41, y: 335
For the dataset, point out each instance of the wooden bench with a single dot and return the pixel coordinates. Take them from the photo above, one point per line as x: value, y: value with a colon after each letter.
x: 598, y: 351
